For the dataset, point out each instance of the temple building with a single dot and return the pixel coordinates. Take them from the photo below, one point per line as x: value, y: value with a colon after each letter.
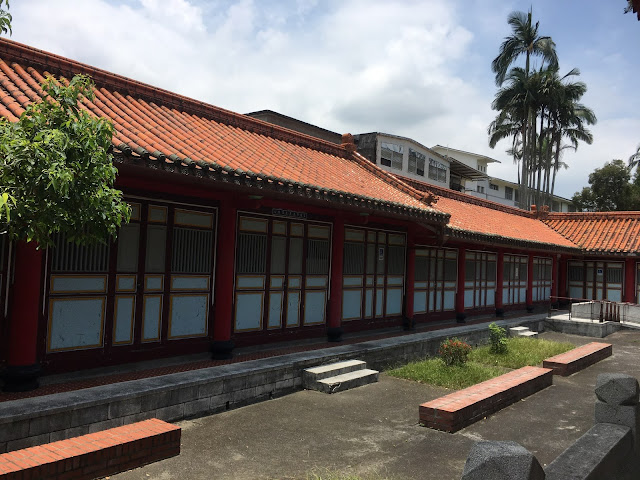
x: 243, y: 233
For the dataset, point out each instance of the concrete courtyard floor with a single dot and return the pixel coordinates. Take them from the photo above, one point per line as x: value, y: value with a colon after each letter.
x: 373, y: 431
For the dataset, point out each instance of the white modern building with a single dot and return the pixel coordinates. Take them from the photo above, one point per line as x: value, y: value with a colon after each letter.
x: 405, y: 157
x: 491, y: 188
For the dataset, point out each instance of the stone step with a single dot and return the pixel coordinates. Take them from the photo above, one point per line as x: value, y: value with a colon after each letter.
x: 529, y: 334
x: 516, y: 330
x: 347, y: 381
x: 315, y: 374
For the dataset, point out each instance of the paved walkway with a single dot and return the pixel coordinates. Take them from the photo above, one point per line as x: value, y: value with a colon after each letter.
x: 372, y: 431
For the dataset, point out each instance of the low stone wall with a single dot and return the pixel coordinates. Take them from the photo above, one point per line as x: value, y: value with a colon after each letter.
x: 593, y: 329
x: 609, y: 450
x: 38, y: 420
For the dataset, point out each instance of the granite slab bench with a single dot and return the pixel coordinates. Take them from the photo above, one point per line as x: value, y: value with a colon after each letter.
x: 464, y: 407
x: 95, y: 455
x: 579, y: 358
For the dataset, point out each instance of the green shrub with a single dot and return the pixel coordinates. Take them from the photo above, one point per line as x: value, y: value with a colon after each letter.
x: 498, y: 338
x: 454, y: 351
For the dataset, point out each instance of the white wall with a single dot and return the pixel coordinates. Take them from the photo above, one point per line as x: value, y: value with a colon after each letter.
x: 406, y: 144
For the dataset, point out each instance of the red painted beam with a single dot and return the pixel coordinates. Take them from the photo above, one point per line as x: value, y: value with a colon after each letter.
x: 22, y: 361
x: 411, y: 275
x: 222, y: 325
x: 499, y: 283
x: 530, y: 282
x: 334, y: 322
x: 630, y: 280
x: 460, y: 315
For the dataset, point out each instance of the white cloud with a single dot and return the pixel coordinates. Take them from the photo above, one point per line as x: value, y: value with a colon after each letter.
x: 418, y: 69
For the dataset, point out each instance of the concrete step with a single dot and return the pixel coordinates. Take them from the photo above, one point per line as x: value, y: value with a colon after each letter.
x: 346, y: 381
x: 312, y: 375
x: 529, y: 334
x: 517, y: 330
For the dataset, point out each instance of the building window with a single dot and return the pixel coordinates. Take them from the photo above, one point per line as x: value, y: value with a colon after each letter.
x: 493, y: 186
x: 482, y: 168
x: 416, y: 162
x: 437, y: 171
x: 391, y: 155
x: 555, y: 206
x: 508, y: 193
x: 480, y: 189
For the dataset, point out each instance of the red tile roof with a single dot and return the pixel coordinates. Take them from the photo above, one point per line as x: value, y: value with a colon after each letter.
x: 157, y: 124
x: 599, y: 232
x: 472, y: 216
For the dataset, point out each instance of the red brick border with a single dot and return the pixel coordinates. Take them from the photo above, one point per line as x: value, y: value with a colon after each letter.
x: 464, y: 407
x: 94, y: 455
x: 579, y: 358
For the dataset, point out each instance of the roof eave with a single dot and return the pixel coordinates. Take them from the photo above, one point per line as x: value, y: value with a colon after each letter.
x: 229, y: 176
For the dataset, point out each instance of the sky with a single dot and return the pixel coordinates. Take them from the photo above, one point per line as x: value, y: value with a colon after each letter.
x: 417, y: 69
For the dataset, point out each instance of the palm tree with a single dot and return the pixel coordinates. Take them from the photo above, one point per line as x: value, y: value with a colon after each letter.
x: 517, y: 103
x: 526, y: 41
x: 634, y: 160
x: 569, y: 118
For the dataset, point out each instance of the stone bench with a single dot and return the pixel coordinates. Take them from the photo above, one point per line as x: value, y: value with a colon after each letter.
x: 464, y: 407
x: 95, y: 455
x: 579, y: 358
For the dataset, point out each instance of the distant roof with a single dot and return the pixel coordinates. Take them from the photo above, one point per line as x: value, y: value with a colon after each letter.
x: 477, y: 155
x: 298, y: 125
x: 477, y: 219
x: 595, y: 232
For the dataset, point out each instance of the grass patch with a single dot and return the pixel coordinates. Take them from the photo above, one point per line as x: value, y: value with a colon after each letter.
x: 325, y: 474
x: 435, y: 372
x: 521, y: 352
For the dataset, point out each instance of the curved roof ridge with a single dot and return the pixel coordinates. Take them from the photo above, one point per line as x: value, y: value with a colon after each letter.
x: 424, y: 197
x: 11, y: 50
x: 593, y: 215
x: 465, y: 197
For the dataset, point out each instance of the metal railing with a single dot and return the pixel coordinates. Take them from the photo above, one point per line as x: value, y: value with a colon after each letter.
x: 597, y: 310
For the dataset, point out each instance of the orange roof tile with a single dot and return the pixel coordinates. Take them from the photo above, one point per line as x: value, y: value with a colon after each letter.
x: 489, y: 219
x: 151, y: 122
x: 599, y: 232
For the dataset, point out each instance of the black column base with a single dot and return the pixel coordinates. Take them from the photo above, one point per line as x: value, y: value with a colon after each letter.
x: 500, y: 312
x: 529, y: 308
x: 460, y: 317
x: 21, y: 378
x: 408, y: 324
x: 334, y: 334
x: 222, y: 350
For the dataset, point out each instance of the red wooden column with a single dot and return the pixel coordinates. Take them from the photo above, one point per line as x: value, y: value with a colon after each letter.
x: 630, y: 280
x: 460, y: 315
x: 530, y: 283
x: 499, y: 282
x: 554, y: 279
x: 410, y: 279
x: 334, y: 323
x: 562, y: 280
x: 222, y: 345
x: 23, y: 367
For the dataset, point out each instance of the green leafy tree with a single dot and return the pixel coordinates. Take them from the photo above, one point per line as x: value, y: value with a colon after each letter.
x: 610, y: 190
x: 5, y: 18
x: 56, y: 170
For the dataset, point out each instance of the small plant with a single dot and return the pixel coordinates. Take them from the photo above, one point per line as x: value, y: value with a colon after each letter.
x: 454, y: 352
x: 498, y: 338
